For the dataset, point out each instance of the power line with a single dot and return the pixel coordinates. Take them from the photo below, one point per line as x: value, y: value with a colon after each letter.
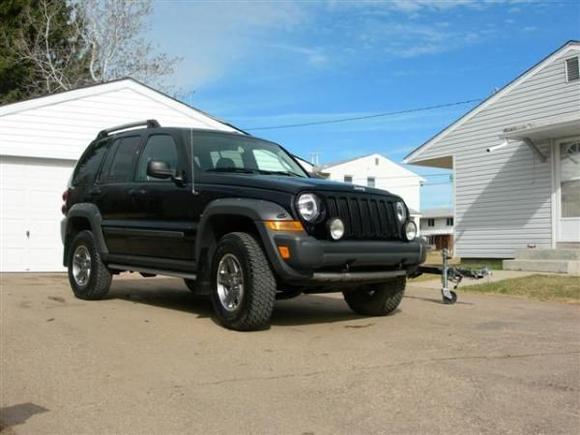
x: 359, y: 118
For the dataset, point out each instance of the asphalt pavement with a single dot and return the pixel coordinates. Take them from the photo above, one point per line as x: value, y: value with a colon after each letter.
x: 151, y: 359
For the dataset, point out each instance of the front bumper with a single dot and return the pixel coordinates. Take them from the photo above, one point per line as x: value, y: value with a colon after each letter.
x: 317, y: 261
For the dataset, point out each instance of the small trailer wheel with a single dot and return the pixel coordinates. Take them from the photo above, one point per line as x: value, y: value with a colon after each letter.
x: 450, y: 301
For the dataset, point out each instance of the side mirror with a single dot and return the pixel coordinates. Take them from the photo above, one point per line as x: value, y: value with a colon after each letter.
x: 159, y: 169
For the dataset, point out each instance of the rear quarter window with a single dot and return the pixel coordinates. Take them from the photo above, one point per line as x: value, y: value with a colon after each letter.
x: 89, y: 163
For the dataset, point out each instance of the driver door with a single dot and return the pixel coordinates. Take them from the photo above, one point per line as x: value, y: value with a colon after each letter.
x: 163, y: 208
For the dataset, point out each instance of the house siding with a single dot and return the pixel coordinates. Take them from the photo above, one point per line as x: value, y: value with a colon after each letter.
x: 503, y: 199
x: 63, y: 130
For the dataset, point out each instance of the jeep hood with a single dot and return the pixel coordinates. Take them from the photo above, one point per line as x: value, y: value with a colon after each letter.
x: 292, y: 184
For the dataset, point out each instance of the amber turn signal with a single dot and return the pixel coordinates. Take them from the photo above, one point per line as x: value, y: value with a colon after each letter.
x: 284, y: 252
x: 284, y: 225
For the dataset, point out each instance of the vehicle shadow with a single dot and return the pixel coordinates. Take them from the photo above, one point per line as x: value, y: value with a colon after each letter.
x: 173, y: 294
x: 161, y: 292
x: 18, y: 414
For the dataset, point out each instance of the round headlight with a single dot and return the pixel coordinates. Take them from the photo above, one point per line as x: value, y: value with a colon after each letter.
x: 410, y: 231
x: 336, y: 228
x: 308, y: 206
x: 401, y: 211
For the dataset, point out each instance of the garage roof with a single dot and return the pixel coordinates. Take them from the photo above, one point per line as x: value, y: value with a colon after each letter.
x: 62, y: 125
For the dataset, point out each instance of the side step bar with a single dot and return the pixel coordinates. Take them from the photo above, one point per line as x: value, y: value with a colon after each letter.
x: 151, y: 271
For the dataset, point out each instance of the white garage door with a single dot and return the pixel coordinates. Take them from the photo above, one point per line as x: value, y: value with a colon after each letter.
x: 30, y: 202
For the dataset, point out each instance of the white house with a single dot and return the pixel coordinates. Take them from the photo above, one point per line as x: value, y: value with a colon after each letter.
x: 516, y: 163
x: 40, y: 140
x: 437, y: 227
x: 375, y: 170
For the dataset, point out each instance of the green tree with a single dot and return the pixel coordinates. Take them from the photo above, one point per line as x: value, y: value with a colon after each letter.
x: 13, y: 74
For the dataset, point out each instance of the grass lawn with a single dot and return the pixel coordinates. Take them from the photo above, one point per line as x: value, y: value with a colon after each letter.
x: 542, y: 287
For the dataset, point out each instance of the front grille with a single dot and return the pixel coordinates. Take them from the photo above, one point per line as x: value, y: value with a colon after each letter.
x: 366, y: 217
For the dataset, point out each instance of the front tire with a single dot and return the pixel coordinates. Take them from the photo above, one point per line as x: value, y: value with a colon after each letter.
x: 243, y: 286
x: 377, y: 299
x: 88, y: 276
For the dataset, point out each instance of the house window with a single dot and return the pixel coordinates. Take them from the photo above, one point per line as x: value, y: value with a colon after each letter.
x: 376, y: 161
x: 572, y: 70
x: 430, y: 222
x: 348, y: 179
x: 449, y: 222
x: 371, y: 181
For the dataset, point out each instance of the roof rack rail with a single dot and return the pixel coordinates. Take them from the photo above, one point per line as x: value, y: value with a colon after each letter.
x: 149, y: 123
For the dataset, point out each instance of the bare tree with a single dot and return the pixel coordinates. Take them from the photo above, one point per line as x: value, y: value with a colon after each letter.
x: 113, y: 34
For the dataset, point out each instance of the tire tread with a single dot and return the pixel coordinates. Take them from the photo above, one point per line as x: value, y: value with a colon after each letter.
x: 261, y: 288
x: 100, y: 280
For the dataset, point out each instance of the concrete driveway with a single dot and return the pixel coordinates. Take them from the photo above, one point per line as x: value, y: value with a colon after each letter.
x: 150, y: 359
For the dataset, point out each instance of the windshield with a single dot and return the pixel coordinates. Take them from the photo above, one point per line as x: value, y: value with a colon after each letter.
x: 215, y: 152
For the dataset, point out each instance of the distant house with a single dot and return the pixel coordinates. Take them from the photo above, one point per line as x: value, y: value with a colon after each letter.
x: 40, y: 141
x: 437, y: 227
x: 375, y: 170
x: 516, y: 163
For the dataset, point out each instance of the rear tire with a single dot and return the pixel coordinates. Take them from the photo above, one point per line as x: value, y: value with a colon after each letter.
x: 88, y: 276
x: 243, y: 288
x: 377, y: 299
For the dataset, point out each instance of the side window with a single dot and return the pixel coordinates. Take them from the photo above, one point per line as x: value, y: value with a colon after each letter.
x: 159, y: 147
x: 88, y: 166
x: 227, y: 158
x: 268, y: 161
x: 120, y: 162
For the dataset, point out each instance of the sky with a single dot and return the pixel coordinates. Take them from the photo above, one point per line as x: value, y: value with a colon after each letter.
x: 266, y: 64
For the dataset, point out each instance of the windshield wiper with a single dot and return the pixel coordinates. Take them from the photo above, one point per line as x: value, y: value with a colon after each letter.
x: 232, y: 169
x: 286, y: 173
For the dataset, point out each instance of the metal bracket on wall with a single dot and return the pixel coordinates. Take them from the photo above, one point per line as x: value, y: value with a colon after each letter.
x: 534, y: 148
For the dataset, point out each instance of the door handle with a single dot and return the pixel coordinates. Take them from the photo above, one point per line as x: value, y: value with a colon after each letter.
x: 135, y: 192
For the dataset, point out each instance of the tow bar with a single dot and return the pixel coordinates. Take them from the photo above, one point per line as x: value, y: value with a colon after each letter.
x: 452, y: 274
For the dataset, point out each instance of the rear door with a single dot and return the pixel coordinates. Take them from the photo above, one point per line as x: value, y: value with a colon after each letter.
x: 112, y: 193
x: 163, y: 208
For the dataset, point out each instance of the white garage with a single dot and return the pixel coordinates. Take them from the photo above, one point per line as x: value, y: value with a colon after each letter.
x: 40, y: 141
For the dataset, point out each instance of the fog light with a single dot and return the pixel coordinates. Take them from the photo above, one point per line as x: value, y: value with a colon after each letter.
x: 410, y: 230
x: 336, y: 228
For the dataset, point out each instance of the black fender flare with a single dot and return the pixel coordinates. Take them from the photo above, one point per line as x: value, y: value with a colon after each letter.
x: 255, y: 209
x: 91, y: 213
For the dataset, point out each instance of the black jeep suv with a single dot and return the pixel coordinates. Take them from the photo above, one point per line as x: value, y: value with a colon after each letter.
x: 237, y: 218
